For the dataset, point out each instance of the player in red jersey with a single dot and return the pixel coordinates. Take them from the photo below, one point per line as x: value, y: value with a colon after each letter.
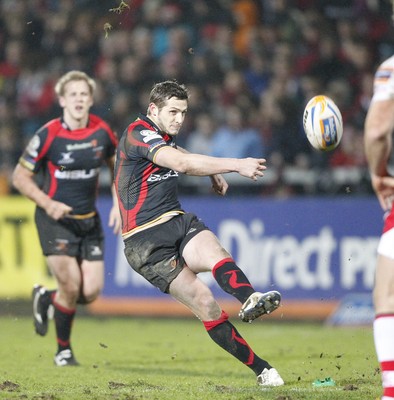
x: 169, y: 246
x: 69, y: 151
x: 379, y: 129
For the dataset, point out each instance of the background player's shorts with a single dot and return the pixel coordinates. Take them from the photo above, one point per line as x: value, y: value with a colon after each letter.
x: 156, y: 253
x: 81, y: 238
x: 386, y: 242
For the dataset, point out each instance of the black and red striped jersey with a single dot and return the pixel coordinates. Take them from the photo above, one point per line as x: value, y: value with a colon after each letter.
x: 146, y: 191
x: 70, y: 160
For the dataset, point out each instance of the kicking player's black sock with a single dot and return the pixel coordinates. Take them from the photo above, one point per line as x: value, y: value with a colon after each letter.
x: 63, y: 322
x: 223, y: 333
x: 232, y: 279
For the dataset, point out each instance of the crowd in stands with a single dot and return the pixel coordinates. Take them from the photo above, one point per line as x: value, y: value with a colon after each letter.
x: 250, y: 66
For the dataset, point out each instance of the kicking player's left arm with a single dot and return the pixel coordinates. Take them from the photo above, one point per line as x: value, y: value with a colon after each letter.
x: 219, y: 184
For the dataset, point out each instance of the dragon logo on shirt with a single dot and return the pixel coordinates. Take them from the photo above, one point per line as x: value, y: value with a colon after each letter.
x: 62, y: 245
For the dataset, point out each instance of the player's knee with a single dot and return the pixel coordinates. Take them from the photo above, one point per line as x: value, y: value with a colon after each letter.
x: 69, y: 291
x: 383, y: 301
x: 208, y: 305
x: 88, y: 295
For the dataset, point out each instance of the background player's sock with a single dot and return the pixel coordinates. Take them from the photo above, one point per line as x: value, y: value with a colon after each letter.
x: 383, y: 329
x: 63, y: 322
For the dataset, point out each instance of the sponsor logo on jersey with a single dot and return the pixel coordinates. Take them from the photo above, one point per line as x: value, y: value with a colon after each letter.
x: 158, y: 177
x: 383, y: 74
x: 98, y: 152
x: 33, y: 145
x: 66, y: 158
x: 81, y: 146
x: 77, y: 173
x: 149, y: 135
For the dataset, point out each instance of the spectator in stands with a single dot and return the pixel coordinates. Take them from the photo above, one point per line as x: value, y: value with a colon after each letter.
x: 201, y: 52
x: 200, y: 139
x: 235, y: 137
x: 257, y: 73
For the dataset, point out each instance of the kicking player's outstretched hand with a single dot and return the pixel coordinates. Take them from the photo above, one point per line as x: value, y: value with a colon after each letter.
x: 252, y: 168
x: 219, y: 184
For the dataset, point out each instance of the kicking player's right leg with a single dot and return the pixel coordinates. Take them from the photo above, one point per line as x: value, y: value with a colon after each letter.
x: 204, y: 252
x: 192, y: 292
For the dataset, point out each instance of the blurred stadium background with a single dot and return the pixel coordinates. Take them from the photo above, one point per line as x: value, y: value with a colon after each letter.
x: 309, y: 228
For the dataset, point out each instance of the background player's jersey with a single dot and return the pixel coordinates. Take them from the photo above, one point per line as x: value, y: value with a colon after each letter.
x: 145, y: 190
x: 384, y: 90
x: 384, y: 81
x: 70, y: 160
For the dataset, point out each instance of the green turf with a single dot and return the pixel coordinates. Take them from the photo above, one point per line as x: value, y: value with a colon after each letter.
x: 130, y: 359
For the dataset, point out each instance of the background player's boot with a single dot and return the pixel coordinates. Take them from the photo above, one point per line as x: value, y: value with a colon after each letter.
x: 40, y: 309
x: 65, y: 358
x: 258, y: 304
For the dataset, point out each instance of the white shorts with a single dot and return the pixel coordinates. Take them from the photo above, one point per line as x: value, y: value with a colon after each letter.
x: 386, y: 243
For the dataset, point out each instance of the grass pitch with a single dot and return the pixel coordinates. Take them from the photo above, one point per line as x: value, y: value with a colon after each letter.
x: 174, y: 359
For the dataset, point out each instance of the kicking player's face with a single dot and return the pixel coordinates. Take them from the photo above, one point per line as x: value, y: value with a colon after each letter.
x: 76, y: 100
x: 170, y: 118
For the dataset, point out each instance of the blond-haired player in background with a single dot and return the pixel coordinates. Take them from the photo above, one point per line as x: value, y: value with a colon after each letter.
x: 69, y: 151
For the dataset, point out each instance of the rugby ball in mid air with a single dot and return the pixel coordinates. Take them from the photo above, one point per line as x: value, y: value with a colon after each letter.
x: 323, y: 124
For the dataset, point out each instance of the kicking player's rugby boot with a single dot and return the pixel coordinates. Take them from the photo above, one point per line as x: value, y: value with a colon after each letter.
x: 270, y: 377
x: 258, y: 304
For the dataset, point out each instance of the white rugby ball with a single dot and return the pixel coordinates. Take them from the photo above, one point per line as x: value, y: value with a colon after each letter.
x: 323, y: 124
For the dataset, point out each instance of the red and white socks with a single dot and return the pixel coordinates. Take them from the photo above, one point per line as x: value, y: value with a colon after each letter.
x: 383, y: 329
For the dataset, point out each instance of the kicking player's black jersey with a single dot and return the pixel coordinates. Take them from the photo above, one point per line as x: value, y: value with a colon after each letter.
x: 71, y: 160
x: 146, y: 191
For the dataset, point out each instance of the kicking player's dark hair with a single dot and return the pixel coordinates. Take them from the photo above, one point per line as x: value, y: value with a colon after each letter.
x: 163, y: 91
